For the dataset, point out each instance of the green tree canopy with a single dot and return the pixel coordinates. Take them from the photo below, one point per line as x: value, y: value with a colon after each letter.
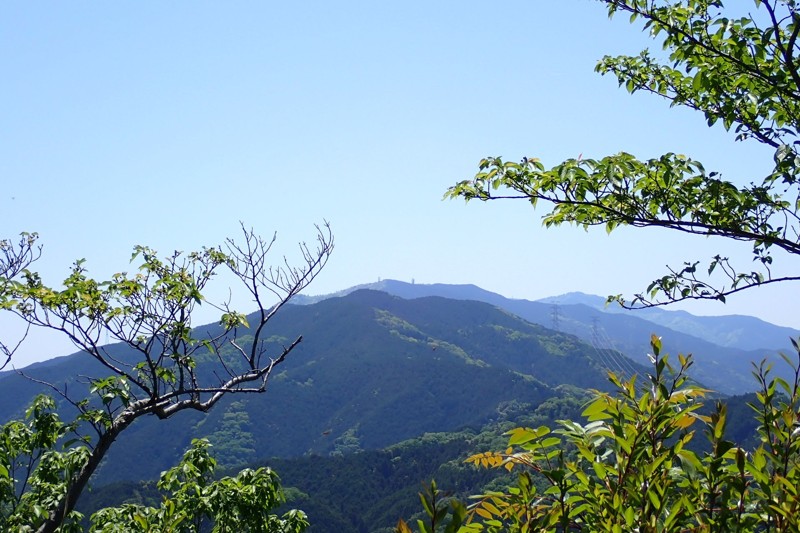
x: 740, y: 71
x: 194, y: 501
x: 631, y: 465
x: 175, y: 368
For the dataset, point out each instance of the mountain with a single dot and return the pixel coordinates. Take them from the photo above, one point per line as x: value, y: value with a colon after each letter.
x: 412, y: 290
x: 373, y: 369
x: 366, y: 491
x: 733, y: 331
x: 348, y: 419
x: 723, y: 368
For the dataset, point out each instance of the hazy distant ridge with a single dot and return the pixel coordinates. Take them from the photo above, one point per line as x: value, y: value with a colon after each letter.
x: 739, y: 331
x: 734, y: 331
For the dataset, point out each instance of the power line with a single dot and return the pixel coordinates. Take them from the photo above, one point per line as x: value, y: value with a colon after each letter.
x: 611, y: 358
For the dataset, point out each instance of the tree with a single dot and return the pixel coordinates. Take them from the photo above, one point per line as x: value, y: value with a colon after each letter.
x: 743, y: 72
x: 174, y: 368
x: 631, y: 465
x: 192, y: 500
x: 437, y: 507
x: 195, y: 500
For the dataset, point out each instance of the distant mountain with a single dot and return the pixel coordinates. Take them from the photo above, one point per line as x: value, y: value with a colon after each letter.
x: 733, y: 331
x: 376, y: 368
x: 373, y: 369
x: 412, y: 290
x: 724, y: 368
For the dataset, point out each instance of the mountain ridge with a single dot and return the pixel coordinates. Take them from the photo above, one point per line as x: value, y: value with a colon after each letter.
x: 373, y: 369
x: 735, y: 330
x: 753, y: 333
x: 726, y: 369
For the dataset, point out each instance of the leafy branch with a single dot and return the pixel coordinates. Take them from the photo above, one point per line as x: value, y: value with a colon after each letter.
x: 170, y: 367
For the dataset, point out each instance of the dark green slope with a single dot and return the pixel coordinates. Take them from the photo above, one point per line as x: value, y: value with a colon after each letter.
x: 362, y: 492
x: 500, y: 339
x: 726, y: 369
x: 372, y: 370
x: 369, y: 490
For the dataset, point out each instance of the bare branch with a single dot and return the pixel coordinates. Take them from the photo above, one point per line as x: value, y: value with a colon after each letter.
x: 285, y: 282
x: 8, y: 350
x: 14, y: 259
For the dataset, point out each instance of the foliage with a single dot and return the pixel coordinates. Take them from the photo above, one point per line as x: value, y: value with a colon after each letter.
x: 168, y: 368
x: 365, y: 491
x: 194, y: 500
x: 629, y: 467
x: 742, y: 72
x: 35, y: 465
x: 33, y: 470
x: 437, y: 512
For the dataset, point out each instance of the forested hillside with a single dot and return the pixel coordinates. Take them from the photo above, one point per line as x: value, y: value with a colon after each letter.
x: 726, y: 346
x: 373, y: 370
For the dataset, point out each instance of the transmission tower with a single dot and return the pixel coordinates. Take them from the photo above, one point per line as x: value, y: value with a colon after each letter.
x: 555, y: 317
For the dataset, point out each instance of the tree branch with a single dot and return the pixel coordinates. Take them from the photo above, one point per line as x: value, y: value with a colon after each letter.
x: 151, y: 312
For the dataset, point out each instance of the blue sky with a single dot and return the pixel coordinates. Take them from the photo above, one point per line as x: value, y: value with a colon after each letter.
x: 166, y: 123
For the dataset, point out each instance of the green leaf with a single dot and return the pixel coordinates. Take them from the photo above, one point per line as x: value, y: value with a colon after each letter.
x: 521, y: 436
x: 597, y: 410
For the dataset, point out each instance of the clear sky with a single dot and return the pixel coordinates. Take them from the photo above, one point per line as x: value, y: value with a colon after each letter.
x: 166, y: 123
